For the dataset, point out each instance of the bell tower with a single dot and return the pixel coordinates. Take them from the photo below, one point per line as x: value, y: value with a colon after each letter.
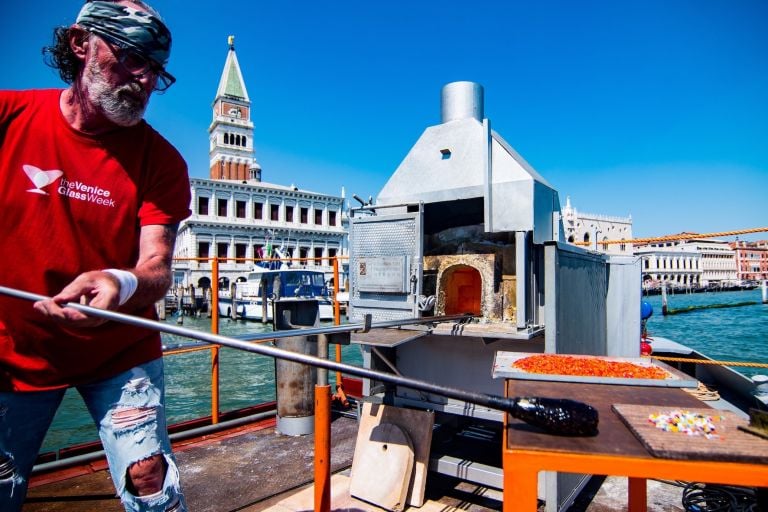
x: 231, y: 132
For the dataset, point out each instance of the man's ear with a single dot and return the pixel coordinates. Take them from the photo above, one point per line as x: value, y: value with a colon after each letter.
x: 79, y: 41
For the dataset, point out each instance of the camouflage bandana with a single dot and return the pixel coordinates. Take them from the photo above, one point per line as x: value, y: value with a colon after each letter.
x: 130, y: 28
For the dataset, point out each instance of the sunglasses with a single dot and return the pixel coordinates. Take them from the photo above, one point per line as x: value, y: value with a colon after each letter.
x: 136, y: 64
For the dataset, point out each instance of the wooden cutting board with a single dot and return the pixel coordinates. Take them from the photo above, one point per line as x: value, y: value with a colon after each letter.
x: 417, y: 424
x: 731, y: 445
x: 382, y: 467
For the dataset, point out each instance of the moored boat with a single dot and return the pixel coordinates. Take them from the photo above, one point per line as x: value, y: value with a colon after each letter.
x: 252, y: 299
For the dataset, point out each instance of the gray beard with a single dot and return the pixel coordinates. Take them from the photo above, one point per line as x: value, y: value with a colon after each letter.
x: 118, y: 104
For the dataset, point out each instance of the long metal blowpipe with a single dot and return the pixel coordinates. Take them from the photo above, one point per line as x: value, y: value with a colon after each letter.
x: 556, y: 416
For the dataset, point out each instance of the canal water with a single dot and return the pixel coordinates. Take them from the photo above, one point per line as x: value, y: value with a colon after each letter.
x: 724, y: 334
x: 727, y: 334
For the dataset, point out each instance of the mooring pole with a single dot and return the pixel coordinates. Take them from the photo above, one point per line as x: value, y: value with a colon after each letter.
x: 215, y: 349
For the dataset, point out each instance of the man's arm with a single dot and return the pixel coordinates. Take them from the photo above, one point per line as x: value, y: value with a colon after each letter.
x: 102, y: 290
x: 153, y: 270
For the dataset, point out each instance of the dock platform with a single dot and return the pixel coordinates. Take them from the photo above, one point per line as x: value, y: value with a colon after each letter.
x: 254, y: 468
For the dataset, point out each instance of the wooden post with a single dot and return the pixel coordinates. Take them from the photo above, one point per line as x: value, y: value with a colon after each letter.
x: 264, y: 300
x: 194, y: 300
x: 180, y: 306
x: 233, y: 295
x: 161, y: 309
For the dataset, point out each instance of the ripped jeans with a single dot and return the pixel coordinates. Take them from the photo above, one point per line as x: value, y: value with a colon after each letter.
x: 129, y: 412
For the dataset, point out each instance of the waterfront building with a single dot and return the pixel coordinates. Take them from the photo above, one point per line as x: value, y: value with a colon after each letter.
x: 688, y: 262
x: 751, y: 260
x: 674, y: 266
x: 238, y: 217
x: 589, y: 229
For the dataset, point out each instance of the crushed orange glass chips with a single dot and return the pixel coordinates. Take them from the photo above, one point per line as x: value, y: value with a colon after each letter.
x: 556, y: 364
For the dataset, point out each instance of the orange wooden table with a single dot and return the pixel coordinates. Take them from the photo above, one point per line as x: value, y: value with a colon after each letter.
x: 614, y: 451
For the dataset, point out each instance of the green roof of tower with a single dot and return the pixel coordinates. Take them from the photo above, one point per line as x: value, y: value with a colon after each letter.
x: 231, y: 83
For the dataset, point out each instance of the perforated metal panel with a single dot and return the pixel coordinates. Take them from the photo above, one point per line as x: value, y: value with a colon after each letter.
x: 385, y: 266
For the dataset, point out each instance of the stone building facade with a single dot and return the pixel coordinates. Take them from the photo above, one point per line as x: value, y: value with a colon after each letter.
x: 589, y: 229
x: 688, y: 262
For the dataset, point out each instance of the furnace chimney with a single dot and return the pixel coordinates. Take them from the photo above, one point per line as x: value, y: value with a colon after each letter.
x: 462, y: 100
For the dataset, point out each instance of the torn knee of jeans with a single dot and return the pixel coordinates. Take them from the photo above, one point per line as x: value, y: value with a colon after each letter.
x: 147, y: 476
x: 127, y: 418
x: 168, y: 497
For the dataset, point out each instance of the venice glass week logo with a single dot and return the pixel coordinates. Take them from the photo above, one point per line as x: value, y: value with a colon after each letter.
x: 72, y: 189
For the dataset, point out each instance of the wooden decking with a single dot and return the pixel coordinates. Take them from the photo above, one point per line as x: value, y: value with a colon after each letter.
x: 235, y: 470
x: 254, y: 468
x: 251, y: 468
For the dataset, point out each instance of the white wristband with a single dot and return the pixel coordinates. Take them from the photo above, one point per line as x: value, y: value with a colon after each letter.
x: 128, y: 283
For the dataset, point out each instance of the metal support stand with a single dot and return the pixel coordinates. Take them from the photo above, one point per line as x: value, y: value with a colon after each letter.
x: 295, y: 381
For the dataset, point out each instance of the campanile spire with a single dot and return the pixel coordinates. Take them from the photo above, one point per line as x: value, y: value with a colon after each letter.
x: 231, y: 132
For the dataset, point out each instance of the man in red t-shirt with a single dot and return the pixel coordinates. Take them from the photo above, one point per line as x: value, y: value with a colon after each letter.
x: 91, y: 199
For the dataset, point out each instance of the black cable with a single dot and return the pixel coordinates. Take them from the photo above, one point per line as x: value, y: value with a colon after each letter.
x: 698, y: 497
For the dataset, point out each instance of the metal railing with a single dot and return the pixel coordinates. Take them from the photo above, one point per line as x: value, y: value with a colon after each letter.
x: 322, y: 392
x: 214, y: 313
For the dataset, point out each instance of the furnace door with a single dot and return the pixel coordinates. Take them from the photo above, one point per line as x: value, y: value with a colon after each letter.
x: 385, y: 266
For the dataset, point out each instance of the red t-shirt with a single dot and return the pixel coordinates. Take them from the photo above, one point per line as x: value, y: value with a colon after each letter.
x: 72, y: 203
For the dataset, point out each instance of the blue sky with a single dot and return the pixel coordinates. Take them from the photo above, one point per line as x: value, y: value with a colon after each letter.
x: 654, y: 109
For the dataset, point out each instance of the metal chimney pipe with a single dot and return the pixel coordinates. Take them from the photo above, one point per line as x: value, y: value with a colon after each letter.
x: 462, y: 100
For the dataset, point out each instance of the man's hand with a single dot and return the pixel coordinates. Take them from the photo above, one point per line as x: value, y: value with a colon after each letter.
x: 96, y: 288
